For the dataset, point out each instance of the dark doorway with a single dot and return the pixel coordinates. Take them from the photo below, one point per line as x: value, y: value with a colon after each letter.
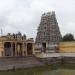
x: 13, y: 49
x: 7, y: 48
x: 44, y: 47
x: 29, y: 49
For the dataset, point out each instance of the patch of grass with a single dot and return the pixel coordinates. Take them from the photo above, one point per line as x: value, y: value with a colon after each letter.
x: 68, y: 66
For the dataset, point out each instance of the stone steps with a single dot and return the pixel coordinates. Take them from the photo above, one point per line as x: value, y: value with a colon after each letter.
x: 7, y: 63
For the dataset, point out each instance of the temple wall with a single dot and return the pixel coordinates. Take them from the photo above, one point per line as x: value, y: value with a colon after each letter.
x: 67, y: 47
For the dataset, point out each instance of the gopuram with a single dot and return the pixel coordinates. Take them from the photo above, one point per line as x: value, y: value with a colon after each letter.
x: 48, y: 34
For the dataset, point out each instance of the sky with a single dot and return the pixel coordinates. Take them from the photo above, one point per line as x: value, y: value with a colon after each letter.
x: 24, y: 15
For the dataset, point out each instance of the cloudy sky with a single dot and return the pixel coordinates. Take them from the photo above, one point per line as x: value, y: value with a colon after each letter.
x: 25, y: 15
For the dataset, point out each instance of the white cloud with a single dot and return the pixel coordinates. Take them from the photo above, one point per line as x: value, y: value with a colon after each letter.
x: 24, y: 15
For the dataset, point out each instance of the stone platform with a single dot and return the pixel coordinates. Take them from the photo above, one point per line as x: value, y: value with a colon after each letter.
x: 57, y: 58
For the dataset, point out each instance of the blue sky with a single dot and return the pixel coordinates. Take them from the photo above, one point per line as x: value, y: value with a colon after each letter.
x: 25, y: 15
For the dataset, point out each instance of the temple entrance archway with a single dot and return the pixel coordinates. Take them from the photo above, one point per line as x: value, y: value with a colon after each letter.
x: 44, y: 47
x: 14, y: 49
x: 7, y: 48
x: 29, y: 49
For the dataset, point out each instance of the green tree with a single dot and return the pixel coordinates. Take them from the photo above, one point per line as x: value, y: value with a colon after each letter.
x: 68, y: 37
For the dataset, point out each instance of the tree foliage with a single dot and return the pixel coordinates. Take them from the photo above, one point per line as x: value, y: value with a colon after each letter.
x: 68, y: 37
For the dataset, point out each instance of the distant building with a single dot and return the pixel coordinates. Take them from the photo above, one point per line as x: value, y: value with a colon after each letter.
x: 48, y: 34
x: 16, y: 45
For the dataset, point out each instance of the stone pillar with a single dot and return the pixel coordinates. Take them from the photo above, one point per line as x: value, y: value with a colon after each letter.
x: 11, y: 48
x: 25, y: 46
x: 26, y: 49
x: 15, y: 49
x: 23, y: 49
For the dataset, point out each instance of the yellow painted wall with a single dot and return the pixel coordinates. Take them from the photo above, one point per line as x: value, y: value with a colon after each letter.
x: 67, y: 47
x: 1, y: 49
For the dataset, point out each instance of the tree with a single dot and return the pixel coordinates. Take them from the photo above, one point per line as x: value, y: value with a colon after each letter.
x: 68, y: 37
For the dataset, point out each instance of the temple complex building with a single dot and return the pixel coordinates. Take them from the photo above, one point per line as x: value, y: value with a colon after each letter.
x: 48, y: 34
x: 16, y: 45
x: 48, y: 40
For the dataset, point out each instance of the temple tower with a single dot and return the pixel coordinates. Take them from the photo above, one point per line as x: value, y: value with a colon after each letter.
x: 48, y: 34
